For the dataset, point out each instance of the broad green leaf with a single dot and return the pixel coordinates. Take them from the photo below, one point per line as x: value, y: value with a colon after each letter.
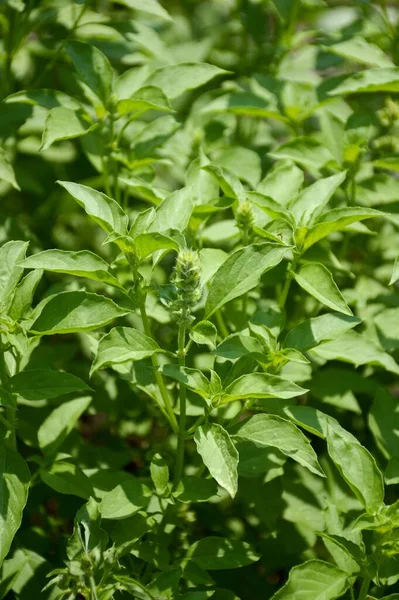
x: 219, y: 455
x: 221, y: 553
x: 195, y: 489
x: 245, y: 104
x: 151, y: 7
x: 359, y: 50
x: 67, y: 478
x: 69, y: 312
x: 132, y: 586
x: 358, y: 350
x: 14, y: 483
x: 60, y: 422
x: 317, y: 280
x: 312, y: 200
x: 47, y: 98
x: 194, y: 379
x: 6, y: 171
x: 383, y: 421
x: 159, y: 473
x: 127, y: 531
x: 261, y: 385
x: 146, y: 98
x: 42, y: 384
x: 123, y: 344
x: 241, y: 272
x: 23, y: 295
x: 282, y: 182
x: 148, y: 243
x: 395, y: 272
x: 10, y: 572
x: 63, y: 124
x: 93, y: 67
x: 358, y: 467
x: 204, y: 332
x: 228, y: 181
x: 311, y: 333
x: 125, y: 499
x: 239, y: 344
x: 271, y: 430
x: 6, y: 399
x: 269, y: 206
x: 387, y: 324
x: 82, y: 264
x: 371, y: 80
x: 103, y: 210
x: 243, y: 162
x: 174, y: 212
x: 174, y: 80
x: 314, y: 580
x: 305, y: 151
x: 11, y: 254
x: 336, y: 220
x: 166, y: 584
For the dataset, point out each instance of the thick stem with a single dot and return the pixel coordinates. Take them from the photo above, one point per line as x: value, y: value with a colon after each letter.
x: 364, y: 590
x: 158, y: 376
x: 182, y: 402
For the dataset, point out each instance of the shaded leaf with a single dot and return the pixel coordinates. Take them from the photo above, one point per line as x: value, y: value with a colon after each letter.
x: 219, y: 455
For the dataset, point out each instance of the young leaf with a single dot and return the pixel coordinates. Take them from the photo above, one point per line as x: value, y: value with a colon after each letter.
x: 241, y: 272
x: 311, y: 333
x: 309, y: 204
x: 69, y: 312
x: 272, y: 430
x: 221, y: 553
x: 148, y: 243
x: 125, y: 499
x: 174, y: 80
x: 219, y: 455
x: 42, y: 384
x: 103, y: 210
x: 11, y: 254
x: 174, y: 212
x: 358, y: 467
x: 14, y: 483
x: 314, y: 580
x: 60, y: 422
x: 82, y: 264
x: 122, y: 344
x: 317, y: 280
x: 93, y: 67
x: 23, y: 295
x: 229, y: 182
x: 63, y: 124
x: 261, y: 385
x: 67, y: 478
x: 146, y: 98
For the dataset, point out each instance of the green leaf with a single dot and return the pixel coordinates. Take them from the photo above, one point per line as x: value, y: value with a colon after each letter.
x: 270, y: 206
x: 359, y: 50
x: 311, y: 333
x: 103, y: 210
x: 69, y: 312
x: 151, y: 7
x: 238, y: 345
x: 336, y: 220
x: 383, y: 421
x: 305, y: 151
x: 11, y: 254
x: 159, y: 473
x: 214, y: 553
x: 358, y: 467
x: 245, y: 104
x: 42, y: 384
x: 314, y: 580
x: 127, y: 531
x: 271, y: 430
x: 82, y: 264
x: 6, y: 171
x: 395, y: 272
x: 125, y: 499
x: 261, y: 385
x: 312, y: 200
x: 229, y: 182
x: 194, y: 379
x: 241, y: 272
x: 93, y: 67
x: 14, y: 483
x: 371, y: 80
x: 23, y: 295
x: 166, y: 585
x: 47, y: 98
x: 317, y: 280
x: 204, y: 332
x: 63, y: 124
x: 123, y: 344
x: 60, y: 422
x: 195, y: 489
x: 174, y: 212
x: 148, y: 243
x: 282, y: 182
x: 132, y: 586
x: 66, y: 478
x: 146, y: 98
x: 174, y: 80
x: 355, y: 348
x: 219, y: 455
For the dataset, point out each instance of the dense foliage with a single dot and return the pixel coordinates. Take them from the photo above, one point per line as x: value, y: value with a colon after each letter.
x: 199, y: 315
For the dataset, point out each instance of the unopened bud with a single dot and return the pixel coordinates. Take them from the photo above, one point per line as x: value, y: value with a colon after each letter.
x: 187, y: 277
x: 245, y: 216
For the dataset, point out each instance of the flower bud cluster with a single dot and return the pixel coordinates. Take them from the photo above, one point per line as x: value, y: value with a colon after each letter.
x: 186, y: 284
x: 245, y: 216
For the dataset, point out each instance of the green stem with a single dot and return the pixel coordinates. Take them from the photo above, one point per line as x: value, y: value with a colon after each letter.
x: 182, y: 402
x: 287, y: 285
x: 158, y: 376
x: 93, y: 590
x: 364, y: 590
x: 221, y: 324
